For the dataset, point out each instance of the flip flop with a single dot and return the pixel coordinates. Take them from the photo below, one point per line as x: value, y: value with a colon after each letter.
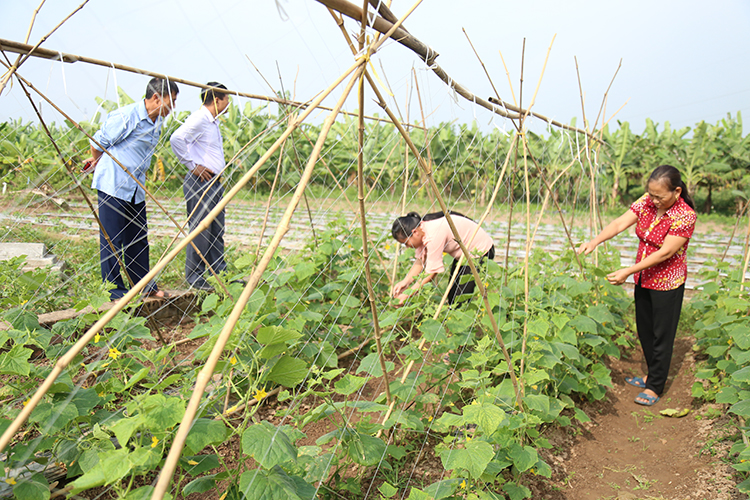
x: 649, y: 400
x: 636, y: 381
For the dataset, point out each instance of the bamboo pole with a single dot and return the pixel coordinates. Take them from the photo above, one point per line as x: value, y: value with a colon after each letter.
x: 268, y: 205
x: 22, y: 58
x: 484, y: 68
x: 734, y: 231
x: 363, y: 216
x: 56, y: 55
x: 592, y: 187
x: 165, y: 476
x: 33, y: 19
x: 65, y: 360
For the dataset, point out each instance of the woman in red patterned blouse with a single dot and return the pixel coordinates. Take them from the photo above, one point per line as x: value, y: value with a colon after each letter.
x: 665, y: 219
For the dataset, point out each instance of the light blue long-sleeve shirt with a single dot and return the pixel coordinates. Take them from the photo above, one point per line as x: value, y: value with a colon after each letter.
x: 131, y: 137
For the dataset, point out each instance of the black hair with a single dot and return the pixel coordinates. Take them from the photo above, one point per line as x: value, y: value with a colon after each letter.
x: 208, y: 95
x: 403, y: 226
x: 161, y: 87
x: 672, y: 179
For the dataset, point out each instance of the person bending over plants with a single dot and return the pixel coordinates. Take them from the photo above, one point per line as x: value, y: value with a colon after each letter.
x: 665, y: 220
x: 431, y: 236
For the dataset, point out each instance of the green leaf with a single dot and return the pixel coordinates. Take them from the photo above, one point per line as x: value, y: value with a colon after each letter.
x: 441, y: 489
x: 34, y: 488
x: 125, y: 428
x: 199, y: 485
x: 371, y: 364
x: 474, y: 458
x: 486, y: 415
x: 364, y: 449
x: 742, y: 408
x: 160, y: 412
x: 288, y: 371
x: 351, y: 302
x: 210, y: 303
x: 52, y: 418
x: 538, y: 327
x: 387, y: 490
x: 198, y: 464
x: 524, y: 457
x: 205, y: 432
x: 268, y: 445
x: 304, y: 270
x: 268, y: 485
x: 728, y: 395
x: 432, y: 330
x: 16, y: 361
x: 583, y: 324
x: 516, y: 491
x: 349, y: 384
x: 268, y: 335
x: 742, y: 375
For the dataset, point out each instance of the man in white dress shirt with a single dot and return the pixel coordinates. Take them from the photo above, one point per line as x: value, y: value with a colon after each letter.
x: 199, y: 146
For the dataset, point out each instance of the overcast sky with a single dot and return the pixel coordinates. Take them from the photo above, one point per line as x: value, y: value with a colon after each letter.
x: 682, y: 61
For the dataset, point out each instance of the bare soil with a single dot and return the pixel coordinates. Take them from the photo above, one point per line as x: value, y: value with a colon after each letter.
x: 629, y: 451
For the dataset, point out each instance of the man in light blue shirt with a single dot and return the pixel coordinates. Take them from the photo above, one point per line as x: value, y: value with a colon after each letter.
x: 199, y: 146
x: 130, y: 134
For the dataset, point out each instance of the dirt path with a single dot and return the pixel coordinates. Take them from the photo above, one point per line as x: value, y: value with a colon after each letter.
x: 628, y: 451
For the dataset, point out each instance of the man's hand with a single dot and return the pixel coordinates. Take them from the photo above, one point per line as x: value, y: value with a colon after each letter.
x: 203, y: 173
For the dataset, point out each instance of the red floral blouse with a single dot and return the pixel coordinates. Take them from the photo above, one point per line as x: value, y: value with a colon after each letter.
x: 679, y: 220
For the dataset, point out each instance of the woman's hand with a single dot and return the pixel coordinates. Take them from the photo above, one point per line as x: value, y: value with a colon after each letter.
x: 400, y: 287
x: 401, y: 299
x: 587, y: 248
x: 618, y: 277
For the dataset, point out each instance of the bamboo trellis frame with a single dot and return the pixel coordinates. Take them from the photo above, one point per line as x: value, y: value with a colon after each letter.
x: 390, y: 27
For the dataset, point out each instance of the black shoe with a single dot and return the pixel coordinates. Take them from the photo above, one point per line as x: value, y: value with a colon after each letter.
x: 202, y: 286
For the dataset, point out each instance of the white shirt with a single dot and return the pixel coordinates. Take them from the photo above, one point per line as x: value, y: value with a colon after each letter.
x: 198, y: 142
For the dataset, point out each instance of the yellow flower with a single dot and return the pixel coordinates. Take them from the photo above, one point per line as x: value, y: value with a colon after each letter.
x: 429, y: 419
x: 114, y: 353
x: 463, y: 484
x: 26, y: 402
x: 101, y: 394
x: 233, y: 360
x: 533, y: 387
x: 97, y: 337
x: 260, y: 394
x: 154, y: 441
x: 10, y: 481
x: 730, y: 341
x: 387, y: 247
